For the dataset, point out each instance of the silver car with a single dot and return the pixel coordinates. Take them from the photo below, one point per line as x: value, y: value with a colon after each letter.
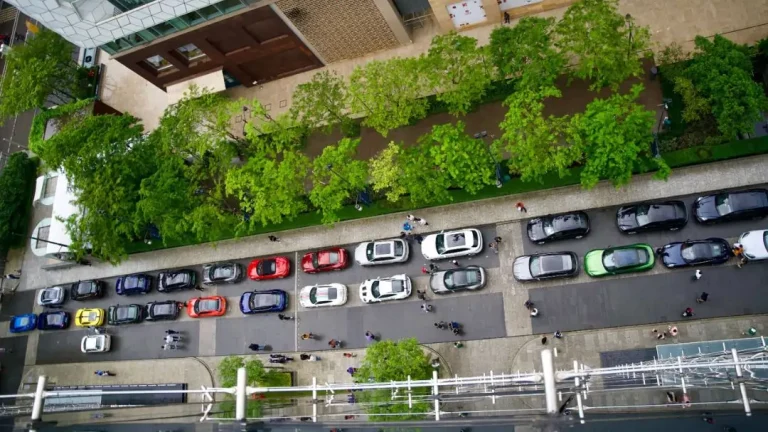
x: 466, y: 278
x: 53, y: 296
x: 546, y: 266
x: 227, y: 272
x: 382, y: 252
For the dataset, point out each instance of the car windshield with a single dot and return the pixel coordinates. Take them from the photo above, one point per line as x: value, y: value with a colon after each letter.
x: 131, y: 282
x: 461, y: 278
x: 623, y: 258
x: 223, y: 272
x: 84, y: 287
x: 325, y: 259
x: 327, y: 295
x: 723, y: 204
x: 548, y: 227
x: 49, y: 294
x: 54, y: 319
x: 266, y: 267
x: 94, y: 344
x: 548, y: 264
x: 163, y: 309
x: 93, y: 316
x: 176, y: 279
x: 206, y: 306
x: 642, y: 215
x: 22, y: 321
x: 399, y: 248
x: 127, y: 313
x: 701, y: 251
x: 264, y: 301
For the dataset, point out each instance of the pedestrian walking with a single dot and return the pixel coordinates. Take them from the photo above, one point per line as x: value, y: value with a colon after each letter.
x: 409, y: 237
x: 333, y: 343
x: 521, y: 207
x: 407, y: 227
x: 273, y: 238
x: 534, y: 312
x: 703, y: 297
x: 458, y: 344
x: 12, y: 276
x: 351, y: 371
x: 457, y: 331
x: 659, y: 251
x: 167, y: 347
x: 497, y: 239
x: 411, y: 218
x: 697, y: 275
x: 403, y: 235
x: 738, y: 253
x: 421, y: 221
x: 421, y: 295
x: 688, y: 312
x: 455, y: 263
x: 256, y: 347
x: 349, y: 355
x: 426, y: 307
x: 528, y: 304
x: 103, y: 373
x: 558, y: 334
x: 307, y: 336
x: 308, y: 357
x: 494, y: 247
x: 370, y: 337
x: 171, y: 332
x: 543, y: 340
x: 200, y: 288
x: 419, y: 238
x: 435, y: 363
x: 507, y: 18
x: 170, y: 339
x: 283, y: 317
x: 672, y: 330
x: 433, y: 267
x: 661, y: 336
x: 442, y: 325
x: 425, y: 270
x: 303, y: 356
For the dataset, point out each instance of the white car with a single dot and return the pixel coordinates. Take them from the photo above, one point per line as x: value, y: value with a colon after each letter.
x: 95, y: 343
x: 755, y: 244
x: 333, y: 294
x: 382, y: 252
x: 52, y: 296
x: 452, y: 244
x: 397, y: 287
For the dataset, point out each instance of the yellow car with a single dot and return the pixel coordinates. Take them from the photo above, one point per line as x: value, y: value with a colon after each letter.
x: 90, y: 317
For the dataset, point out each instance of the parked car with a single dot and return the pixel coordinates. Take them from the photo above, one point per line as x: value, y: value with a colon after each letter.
x: 254, y: 302
x: 452, y: 244
x: 382, y: 252
x: 731, y: 206
x: 95, y: 343
x: 227, y: 272
x: 755, y: 244
x: 125, y: 314
x: 91, y: 317
x: 652, y: 216
x: 86, y: 290
x: 23, y: 323
x: 201, y: 307
x: 696, y: 252
x: 162, y: 310
x: 397, y: 287
x: 333, y: 294
x: 459, y: 279
x: 58, y: 320
x: 53, y: 296
x: 616, y: 260
x: 573, y: 225
x: 325, y: 260
x: 545, y: 266
x: 176, y: 280
x: 133, y: 284
x: 269, y: 268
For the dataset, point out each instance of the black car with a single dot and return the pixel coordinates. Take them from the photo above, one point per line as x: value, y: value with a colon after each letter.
x: 652, y: 216
x: 85, y: 290
x: 176, y: 280
x: 696, y: 252
x: 731, y: 206
x: 548, y: 228
x: 125, y: 314
x: 163, y: 310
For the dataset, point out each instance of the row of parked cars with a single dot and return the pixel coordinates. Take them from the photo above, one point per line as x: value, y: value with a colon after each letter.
x: 647, y: 217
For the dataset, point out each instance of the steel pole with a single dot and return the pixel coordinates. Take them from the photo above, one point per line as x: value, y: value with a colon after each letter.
x: 550, y: 392
x: 37, y: 405
x: 742, y: 386
x: 240, y: 395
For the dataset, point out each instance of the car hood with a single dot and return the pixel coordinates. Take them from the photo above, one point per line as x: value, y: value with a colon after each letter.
x: 536, y: 230
x: 593, y: 262
x: 626, y: 218
x: 672, y: 255
x: 245, y: 301
x: 753, y: 244
x: 522, y: 268
x: 306, y: 262
x: 429, y: 246
x: 282, y: 265
x: 705, y: 208
x: 360, y: 255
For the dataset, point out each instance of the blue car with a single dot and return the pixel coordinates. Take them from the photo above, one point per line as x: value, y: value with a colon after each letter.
x: 58, y: 320
x: 23, y: 323
x: 263, y: 301
x: 133, y: 284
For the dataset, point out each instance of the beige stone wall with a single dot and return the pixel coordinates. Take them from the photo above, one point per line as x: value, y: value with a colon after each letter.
x: 340, y: 29
x: 495, y: 15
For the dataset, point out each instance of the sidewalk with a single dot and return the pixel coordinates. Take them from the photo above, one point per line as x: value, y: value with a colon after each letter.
x: 696, y: 179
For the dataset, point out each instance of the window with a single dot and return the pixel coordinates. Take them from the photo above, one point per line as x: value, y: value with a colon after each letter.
x: 159, y: 63
x: 42, y: 236
x: 191, y: 52
x: 209, y: 12
x: 227, y: 6
x: 126, y: 5
x: 162, y: 29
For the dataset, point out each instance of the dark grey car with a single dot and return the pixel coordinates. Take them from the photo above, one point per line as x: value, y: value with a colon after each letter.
x: 546, y: 266
x: 466, y: 278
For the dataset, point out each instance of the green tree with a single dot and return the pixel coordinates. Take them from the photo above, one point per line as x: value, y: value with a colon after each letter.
x: 255, y: 374
x: 527, y: 53
x: 337, y: 176
x: 387, y: 361
x: 271, y: 189
x: 272, y: 135
x: 322, y: 102
x: 612, y: 135
x: 38, y: 71
x: 607, y: 45
x: 388, y: 93
x: 467, y: 161
x: 17, y: 182
x: 721, y: 72
x: 105, y: 159
x: 535, y: 143
x: 456, y: 70
x: 696, y: 106
x: 400, y: 171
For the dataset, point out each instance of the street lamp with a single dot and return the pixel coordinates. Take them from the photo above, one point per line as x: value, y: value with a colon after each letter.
x: 628, y: 17
x: 497, y: 166
x: 663, y: 121
x: 358, y: 207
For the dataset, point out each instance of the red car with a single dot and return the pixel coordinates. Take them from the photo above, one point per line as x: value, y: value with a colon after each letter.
x: 269, y: 268
x: 201, y: 307
x: 325, y: 260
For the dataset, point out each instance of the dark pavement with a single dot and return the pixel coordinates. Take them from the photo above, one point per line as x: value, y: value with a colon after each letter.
x: 651, y: 299
x: 235, y: 334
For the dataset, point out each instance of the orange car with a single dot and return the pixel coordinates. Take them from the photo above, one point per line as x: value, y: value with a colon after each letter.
x: 201, y: 307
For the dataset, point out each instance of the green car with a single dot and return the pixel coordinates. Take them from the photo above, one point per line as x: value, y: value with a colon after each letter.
x: 623, y: 259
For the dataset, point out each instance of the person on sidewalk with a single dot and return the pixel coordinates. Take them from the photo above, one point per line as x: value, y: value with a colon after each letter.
x: 273, y: 238
x: 494, y: 247
x: 407, y: 227
x: 497, y: 239
x: 283, y: 317
x: 688, y: 312
x: 543, y: 340
x: 458, y: 344
x: 351, y: 371
x: 103, y: 373
x: 421, y: 221
x: 307, y: 336
x: 703, y: 297
x: 426, y: 307
x: 534, y: 312
x: 661, y: 336
x: 441, y: 325
x: 436, y: 363
x: 521, y: 207
x: 421, y: 295
x: 411, y: 218
x: 425, y: 270
x: 369, y: 336
x: 349, y: 355
x: 333, y: 343
x: 672, y: 330
x: 558, y: 334
x: 697, y: 275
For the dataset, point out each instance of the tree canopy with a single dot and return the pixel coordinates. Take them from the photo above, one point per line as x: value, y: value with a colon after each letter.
x: 467, y: 161
x: 322, y: 102
x: 17, y: 181
x: 607, y: 45
x: 337, y: 177
x: 399, y: 171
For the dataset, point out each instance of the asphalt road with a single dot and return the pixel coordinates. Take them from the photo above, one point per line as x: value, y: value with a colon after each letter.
x: 604, y: 233
x: 650, y: 299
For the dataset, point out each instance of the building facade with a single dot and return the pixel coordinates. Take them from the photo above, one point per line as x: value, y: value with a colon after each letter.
x: 253, y: 41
